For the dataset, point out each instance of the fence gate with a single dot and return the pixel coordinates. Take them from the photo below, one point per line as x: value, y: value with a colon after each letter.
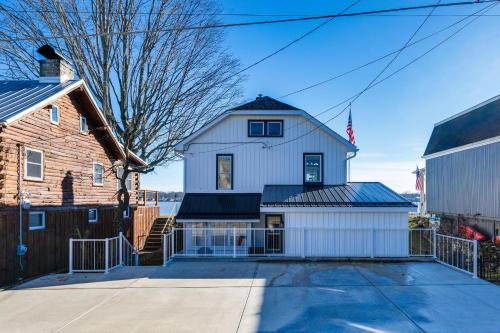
x: 101, y: 255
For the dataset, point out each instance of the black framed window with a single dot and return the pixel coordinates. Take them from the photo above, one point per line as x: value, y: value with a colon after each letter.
x: 268, y: 128
x: 224, y: 171
x: 256, y: 128
x: 313, y: 168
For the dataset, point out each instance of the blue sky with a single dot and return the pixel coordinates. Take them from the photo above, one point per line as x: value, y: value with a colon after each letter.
x: 392, y: 121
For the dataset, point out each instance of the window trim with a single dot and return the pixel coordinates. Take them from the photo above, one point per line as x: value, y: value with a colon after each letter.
x: 126, y: 212
x: 38, y: 179
x: 250, y: 121
x: 217, y: 172
x: 86, y: 124
x: 37, y: 212
x: 321, y: 170
x: 52, y: 121
x: 96, y: 215
x: 266, y: 131
x: 93, y: 174
x: 131, y: 175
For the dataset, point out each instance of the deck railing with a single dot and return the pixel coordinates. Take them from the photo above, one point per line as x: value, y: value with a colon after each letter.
x: 458, y: 253
x: 147, y: 197
x: 101, y: 255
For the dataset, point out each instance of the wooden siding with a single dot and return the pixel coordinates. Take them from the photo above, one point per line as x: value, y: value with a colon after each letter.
x: 144, y: 219
x: 256, y: 166
x: 48, y: 248
x: 465, y: 182
x: 68, y: 157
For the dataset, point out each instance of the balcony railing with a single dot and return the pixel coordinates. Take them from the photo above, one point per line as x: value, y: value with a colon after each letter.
x: 147, y: 197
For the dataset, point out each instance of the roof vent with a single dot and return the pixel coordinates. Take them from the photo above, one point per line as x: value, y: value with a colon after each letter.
x: 54, y: 68
x: 259, y: 96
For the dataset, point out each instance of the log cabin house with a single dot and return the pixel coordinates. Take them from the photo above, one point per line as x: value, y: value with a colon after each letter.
x: 56, y: 167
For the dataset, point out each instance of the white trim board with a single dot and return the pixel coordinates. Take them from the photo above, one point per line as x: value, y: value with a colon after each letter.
x: 215, y: 221
x: 337, y: 209
x: 462, y: 148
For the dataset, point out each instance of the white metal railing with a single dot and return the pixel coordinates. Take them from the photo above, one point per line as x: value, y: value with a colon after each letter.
x: 168, y: 247
x: 289, y: 242
x: 101, y: 255
x: 421, y: 242
x: 456, y: 252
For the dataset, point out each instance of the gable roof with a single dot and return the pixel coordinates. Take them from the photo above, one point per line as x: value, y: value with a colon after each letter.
x: 19, y: 98
x: 479, y: 123
x: 362, y: 194
x: 265, y: 103
x: 181, y: 146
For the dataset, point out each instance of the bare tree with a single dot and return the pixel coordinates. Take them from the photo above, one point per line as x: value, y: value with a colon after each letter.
x: 156, y: 81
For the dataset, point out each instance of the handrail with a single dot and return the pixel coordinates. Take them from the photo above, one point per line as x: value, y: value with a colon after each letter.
x: 170, y: 218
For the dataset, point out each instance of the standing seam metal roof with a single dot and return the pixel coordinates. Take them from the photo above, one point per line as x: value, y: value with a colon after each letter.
x: 18, y: 96
x: 363, y: 194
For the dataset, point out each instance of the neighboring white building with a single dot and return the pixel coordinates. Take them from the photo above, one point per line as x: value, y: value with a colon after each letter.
x: 266, y: 164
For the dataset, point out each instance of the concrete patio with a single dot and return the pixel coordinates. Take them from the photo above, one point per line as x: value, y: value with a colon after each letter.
x: 227, y: 296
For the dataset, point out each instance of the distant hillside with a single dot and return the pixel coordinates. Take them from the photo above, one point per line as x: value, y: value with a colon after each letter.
x: 413, y: 197
x: 170, y: 196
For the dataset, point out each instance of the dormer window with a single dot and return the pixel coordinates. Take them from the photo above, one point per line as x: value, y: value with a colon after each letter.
x: 265, y: 128
x: 84, y: 128
x: 54, y: 115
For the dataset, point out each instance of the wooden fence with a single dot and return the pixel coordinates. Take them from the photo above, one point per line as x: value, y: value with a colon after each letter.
x: 48, y: 247
x: 144, y: 218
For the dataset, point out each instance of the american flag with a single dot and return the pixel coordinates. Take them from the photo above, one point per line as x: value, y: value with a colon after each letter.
x: 349, y: 130
x: 419, y: 184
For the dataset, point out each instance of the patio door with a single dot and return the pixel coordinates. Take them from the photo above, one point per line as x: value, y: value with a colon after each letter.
x: 274, y: 234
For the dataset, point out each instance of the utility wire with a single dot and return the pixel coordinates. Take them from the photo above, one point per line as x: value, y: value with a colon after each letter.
x: 239, y: 24
x: 297, y: 39
x: 476, y: 15
x: 383, y: 79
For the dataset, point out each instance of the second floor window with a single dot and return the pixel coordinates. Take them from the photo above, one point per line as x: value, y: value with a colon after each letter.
x: 225, y: 172
x: 98, y: 174
x: 84, y: 128
x: 33, y: 164
x: 313, y: 168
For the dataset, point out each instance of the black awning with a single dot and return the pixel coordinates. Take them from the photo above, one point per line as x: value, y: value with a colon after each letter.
x: 218, y: 206
x: 349, y: 195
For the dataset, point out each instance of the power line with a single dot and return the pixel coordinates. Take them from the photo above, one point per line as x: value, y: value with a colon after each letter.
x: 476, y: 16
x: 297, y: 39
x: 384, y: 79
x: 240, y: 24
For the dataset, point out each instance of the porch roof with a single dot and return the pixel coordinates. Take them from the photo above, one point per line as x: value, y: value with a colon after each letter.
x: 220, y: 206
x: 362, y: 194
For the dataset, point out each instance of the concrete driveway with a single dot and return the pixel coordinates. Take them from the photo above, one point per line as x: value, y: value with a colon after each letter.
x: 215, y: 296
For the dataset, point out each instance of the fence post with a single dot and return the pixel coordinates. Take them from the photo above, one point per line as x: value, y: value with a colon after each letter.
x: 106, y: 256
x: 475, y: 260
x: 70, y: 256
x: 120, y: 250
x: 164, y: 239
x: 434, y: 243
x: 234, y: 242
x: 172, y: 242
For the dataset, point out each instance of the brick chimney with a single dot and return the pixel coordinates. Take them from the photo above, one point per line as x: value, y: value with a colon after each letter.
x: 54, y: 68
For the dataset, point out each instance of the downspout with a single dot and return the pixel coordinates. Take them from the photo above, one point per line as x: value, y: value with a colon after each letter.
x: 21, y: 248
x: 349, y: 164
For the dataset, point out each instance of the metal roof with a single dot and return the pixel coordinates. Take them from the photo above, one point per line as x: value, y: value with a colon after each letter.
x: 366, y: 194
x: 220, y: 206
x: 265, y: 103
x: 477, y: 124
x: 18, y: 96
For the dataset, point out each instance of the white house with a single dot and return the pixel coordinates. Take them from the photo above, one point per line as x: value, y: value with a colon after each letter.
x: 268, y: 178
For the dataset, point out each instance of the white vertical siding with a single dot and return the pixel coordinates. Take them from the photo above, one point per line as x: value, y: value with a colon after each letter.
x: 343, y: 234
x: 465, y: 182
x: 255, y: 165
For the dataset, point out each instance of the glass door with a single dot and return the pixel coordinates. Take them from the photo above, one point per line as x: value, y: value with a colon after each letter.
x: 274, y: 234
